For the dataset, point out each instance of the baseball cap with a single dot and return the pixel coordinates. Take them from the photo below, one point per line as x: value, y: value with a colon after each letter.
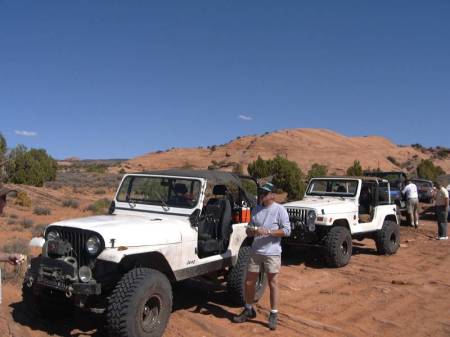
x: 267, y: 187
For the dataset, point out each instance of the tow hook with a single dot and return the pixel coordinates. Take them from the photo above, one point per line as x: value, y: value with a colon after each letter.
x: 30, y: 282
x: 69, y: 291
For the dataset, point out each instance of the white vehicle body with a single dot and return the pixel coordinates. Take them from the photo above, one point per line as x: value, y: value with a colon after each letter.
x: 313, y: 217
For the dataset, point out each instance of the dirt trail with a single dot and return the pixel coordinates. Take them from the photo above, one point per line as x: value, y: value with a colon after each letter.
x: 403, y: 295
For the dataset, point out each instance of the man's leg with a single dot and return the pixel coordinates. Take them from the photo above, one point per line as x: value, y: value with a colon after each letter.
x: 439, y: 221
x: 250, y: 284
x: 416, y: 214
x: 273, y: 286
x: 410, y: 212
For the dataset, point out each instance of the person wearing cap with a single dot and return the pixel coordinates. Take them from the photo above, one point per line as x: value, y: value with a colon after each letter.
x: 412, y: 202
x: 269, y: 223
x: 441, y: 208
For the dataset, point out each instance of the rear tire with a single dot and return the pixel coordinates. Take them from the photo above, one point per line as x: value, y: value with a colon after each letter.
x: 338, y: 247
x: 140, y: 305
x: 388, y: 238
x: 237, y: 276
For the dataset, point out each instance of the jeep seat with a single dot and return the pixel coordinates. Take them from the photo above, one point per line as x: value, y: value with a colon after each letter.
x: 215, y: 229
x: 364, y: 218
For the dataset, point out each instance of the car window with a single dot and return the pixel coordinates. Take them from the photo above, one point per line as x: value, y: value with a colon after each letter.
x: 332, y: 187
x: 164, y: 191
x: 383, y: 193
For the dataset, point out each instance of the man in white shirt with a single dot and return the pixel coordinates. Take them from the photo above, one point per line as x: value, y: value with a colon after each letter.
x: 441, y: 205
x: 412, y: 202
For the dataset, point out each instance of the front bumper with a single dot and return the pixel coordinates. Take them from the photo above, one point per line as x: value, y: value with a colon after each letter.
x: 60, y: 275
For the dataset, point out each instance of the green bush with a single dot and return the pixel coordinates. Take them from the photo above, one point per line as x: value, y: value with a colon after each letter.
x: 427, y: 170
x: 42, y: 211
x: 317, y: 170
x: 285, y: 174
x: 26, y: 223
x: 72, y: 203
x: 23, y: 199
x: 355, y: 169
x: 96, y: 168
x: 99, y: 207
x: 30, y: 167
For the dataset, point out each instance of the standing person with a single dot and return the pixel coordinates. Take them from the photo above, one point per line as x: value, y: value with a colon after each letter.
x: 441, y: 205
x: 269, y: 223
x: 412, y: 202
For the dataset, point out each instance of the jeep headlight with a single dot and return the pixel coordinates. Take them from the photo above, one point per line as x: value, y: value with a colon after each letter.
x: 93, y: 245
x: 53, y: 235
x: 311, y: 220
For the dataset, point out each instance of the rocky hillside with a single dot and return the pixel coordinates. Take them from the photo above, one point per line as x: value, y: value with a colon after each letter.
x: 305, y: 146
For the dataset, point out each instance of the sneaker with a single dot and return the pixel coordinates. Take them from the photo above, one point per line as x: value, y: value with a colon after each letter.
x: 273, y: 320
x: 443, y: 238
x: 245, y: 315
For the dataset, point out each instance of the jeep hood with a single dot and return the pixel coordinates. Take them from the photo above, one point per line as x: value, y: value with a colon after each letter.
x: 132, y: 230
x: 329, y: 205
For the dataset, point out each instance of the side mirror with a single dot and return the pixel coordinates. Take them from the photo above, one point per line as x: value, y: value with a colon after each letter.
x: 194, y: 218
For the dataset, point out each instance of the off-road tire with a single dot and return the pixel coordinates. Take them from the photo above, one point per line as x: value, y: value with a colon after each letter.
x: 141, y: 291
x: 338, y: 247
x: 237, y: 276
x: 387, y: 239
x: 46, y: 306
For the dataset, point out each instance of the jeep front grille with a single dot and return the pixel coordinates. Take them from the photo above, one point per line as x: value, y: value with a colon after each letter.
x: 77, y: 238
x: 297, y: 214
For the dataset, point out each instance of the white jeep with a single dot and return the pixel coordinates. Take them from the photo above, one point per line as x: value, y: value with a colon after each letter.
x: 336, y: 210
x: 163, y: 227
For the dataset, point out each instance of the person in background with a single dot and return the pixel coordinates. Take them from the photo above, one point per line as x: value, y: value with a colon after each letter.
x: 412, y: 202
x: 269, y: 223
x: 11, y: 258
x: 441, y: 207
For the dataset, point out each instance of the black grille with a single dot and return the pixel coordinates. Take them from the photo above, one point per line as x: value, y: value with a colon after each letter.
x: 77, y: 238
x: 297, y: 214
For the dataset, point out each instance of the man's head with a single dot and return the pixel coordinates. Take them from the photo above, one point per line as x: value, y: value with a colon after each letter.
x: 408, y: 181
x: 266, y: 196
x: 437, y: 184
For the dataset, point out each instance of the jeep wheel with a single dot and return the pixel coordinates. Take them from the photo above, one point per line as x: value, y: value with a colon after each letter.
x: 338, y: 247
x: 54, y: 305
x: 238, y: 274
x: 387, y: 239
x: 140, y: 305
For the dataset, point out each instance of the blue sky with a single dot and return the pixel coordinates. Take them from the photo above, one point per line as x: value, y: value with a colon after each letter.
x: 115, y: 79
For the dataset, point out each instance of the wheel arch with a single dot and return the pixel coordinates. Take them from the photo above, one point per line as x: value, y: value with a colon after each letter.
x: 153, y: 260
x: 341, y: 223
x: 391, y: 217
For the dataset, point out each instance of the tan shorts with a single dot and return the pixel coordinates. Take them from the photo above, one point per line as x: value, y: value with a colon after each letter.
x: 268, y: 264
x: 412, y: 205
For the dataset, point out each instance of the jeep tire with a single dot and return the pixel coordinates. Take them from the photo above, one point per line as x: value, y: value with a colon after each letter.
x: 387, y: 239
x: 140, y: 305
x: 338, y: 247
x: 237, y: 276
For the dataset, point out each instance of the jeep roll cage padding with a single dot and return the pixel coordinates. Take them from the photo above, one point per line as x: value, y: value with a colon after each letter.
x: 213, y: 178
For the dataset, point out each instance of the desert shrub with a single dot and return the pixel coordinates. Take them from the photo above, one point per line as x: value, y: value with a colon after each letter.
x: 285, y: 174
x: 122, y: 171
x: 11, y: 221
x: 100, y: 206
x: 427, y: 170
x: 96, y: 168
x: 30, y: 167
x: 72, y: 203
x: 393, y: 160
x: 355, y: 169
x: 317, y: 170
x: 22, y: 199
x: 100, y: 191
x: 16, y: 245
x: 38, y: 230
x: 443, y: 153
x: 26, y: 223
x: 42, y: 211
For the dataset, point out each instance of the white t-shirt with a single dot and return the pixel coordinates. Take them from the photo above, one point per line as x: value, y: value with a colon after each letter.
x: 410, y: 191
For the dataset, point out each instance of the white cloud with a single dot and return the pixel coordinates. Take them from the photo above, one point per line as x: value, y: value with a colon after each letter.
x: 25, y: 133
x: 245, y: 118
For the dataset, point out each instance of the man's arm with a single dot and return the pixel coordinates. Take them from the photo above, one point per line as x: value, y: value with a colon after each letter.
x: 11, y: 258
x: 285, y: 225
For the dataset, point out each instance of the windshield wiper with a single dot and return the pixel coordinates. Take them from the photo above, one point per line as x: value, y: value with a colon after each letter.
x: 164, y: 205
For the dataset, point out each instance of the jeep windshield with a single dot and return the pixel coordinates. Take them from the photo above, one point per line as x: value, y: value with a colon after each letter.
x: 163, y: 191
x: 332, y: 187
